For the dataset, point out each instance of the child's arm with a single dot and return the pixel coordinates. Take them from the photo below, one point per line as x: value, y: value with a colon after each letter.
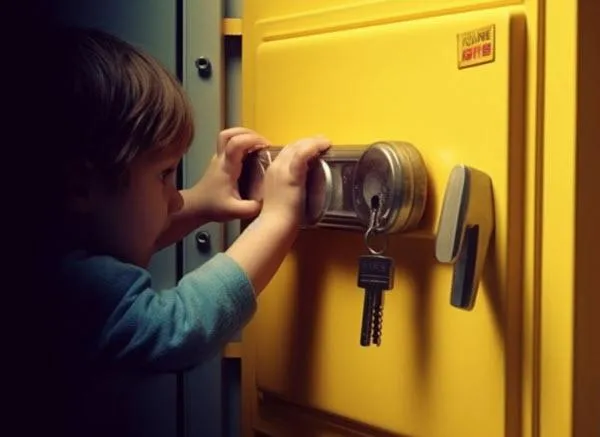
x: 260, y: 249
x: 190, y: 217
x: 180, y: 327
x: 117, y: 318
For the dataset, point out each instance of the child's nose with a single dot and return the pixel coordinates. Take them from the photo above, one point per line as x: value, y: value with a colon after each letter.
x: 176, y: 202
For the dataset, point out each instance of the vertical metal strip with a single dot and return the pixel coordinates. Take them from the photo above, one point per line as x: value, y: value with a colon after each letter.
x: 232, y: 54
x: 202, y: 39
x: 231, y: 367
x: 180, y: 29
x: 540, y: 99
x: 233, y: 71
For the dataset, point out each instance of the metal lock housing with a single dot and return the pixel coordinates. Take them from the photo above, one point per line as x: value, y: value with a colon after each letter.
x: 341, y: 183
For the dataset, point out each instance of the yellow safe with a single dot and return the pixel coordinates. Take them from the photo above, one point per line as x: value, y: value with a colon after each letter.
x: 505, y: 88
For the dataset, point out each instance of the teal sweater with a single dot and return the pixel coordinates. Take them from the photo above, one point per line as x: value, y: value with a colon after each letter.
x: 113, y: 333
x: 115, y: 318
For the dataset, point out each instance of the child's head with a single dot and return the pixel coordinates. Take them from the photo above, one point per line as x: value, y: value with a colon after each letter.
x: 116, y: 124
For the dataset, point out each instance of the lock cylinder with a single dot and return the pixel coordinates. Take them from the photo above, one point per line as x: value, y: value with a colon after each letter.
x: 395, y: 173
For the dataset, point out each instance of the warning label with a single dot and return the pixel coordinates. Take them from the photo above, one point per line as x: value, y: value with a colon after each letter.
x: 476, y: 47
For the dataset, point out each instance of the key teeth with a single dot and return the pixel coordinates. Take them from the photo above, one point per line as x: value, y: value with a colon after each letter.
x: 377, y: 325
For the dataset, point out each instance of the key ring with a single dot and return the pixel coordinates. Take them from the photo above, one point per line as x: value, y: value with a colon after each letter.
x: 372, y: 231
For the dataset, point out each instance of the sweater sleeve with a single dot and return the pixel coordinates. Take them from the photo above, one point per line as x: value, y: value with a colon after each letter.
x: 166, y: 330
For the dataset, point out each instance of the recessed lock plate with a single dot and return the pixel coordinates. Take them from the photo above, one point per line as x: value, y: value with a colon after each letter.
x: 341, y: 182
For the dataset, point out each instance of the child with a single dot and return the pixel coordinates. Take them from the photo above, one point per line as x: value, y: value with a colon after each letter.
x: 115, y: 127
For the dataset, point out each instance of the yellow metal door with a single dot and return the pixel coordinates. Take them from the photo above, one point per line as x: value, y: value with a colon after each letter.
x: 393, y: 71
x: 524, y: 362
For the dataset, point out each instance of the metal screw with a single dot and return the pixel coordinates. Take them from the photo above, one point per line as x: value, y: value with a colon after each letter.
x: 204, y: 67
x: 203, y: 241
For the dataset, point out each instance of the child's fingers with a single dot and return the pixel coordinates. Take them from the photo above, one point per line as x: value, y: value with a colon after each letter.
x: 306, y: 151
x: 228, y: 135
x: 288, y: 152
x: 240, y: 145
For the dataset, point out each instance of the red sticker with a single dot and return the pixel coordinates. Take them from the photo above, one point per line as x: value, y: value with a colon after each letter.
x: 476, y: 47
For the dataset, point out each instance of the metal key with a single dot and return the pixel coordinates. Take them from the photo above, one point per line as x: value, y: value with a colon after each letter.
x: 375, y: 275
x: 366, y: 330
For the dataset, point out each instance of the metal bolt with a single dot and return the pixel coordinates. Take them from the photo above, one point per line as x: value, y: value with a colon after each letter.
x: 203, y: 241
x: 204, y: 67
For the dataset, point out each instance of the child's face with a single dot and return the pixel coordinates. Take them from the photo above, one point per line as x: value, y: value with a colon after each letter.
x: 129, y: 223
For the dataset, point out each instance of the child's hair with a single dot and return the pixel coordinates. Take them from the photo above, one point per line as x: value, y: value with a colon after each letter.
x: 112, y: 102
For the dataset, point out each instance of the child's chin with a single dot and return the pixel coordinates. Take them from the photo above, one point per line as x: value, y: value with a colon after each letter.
x: 144, y: 263
x: 142, y: 260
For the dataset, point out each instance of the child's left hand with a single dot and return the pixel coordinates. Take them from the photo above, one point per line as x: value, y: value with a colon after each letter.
x: 216, y: 195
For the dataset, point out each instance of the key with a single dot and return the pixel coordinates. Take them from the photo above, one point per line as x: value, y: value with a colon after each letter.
x: 366, y: 331
x: 377, y: 316
x: 375, y: 275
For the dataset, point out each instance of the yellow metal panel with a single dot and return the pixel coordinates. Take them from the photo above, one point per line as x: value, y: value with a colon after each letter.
x: 440, y: 371
x: 268, y: 9
x: 559, y: 388
x: 232, y: 26
x: 283, y: 18
x: 559, y: 203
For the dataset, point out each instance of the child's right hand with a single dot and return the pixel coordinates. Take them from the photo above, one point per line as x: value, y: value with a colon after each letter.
x: 285, y: 180
x: 275, y: 229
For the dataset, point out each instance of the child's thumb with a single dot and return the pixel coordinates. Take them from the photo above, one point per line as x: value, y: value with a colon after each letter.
x: 247, y: 208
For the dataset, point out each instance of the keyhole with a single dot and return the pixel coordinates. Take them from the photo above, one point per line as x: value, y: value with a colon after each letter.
x: 375, y: 202
x: 377, y: 215
x: 375, y: 223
